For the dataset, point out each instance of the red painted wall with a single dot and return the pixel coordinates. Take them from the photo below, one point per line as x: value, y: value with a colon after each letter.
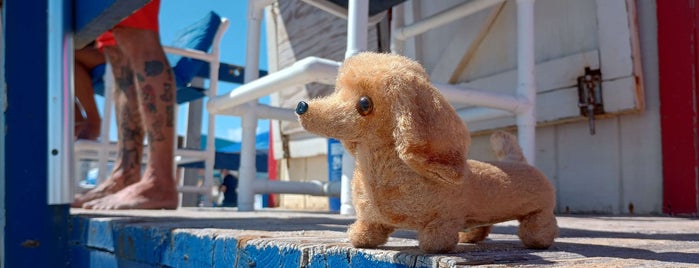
x: 678, y: 51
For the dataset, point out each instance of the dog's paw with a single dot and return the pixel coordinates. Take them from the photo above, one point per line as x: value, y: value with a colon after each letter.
x: 368, y: 235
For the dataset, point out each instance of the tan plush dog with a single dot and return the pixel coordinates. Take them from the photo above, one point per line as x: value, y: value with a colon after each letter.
x: 411, y: 169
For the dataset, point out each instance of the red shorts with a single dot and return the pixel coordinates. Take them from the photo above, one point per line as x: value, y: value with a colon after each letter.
x: 145, y: 18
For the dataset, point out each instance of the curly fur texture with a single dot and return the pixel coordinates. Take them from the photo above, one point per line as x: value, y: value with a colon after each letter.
x: 411, y: 169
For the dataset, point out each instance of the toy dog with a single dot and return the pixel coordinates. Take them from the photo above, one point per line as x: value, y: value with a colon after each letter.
x: 411, y: 169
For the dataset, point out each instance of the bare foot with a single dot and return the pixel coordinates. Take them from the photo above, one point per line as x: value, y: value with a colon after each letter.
x: 117, y: 181
x: 148, y: 193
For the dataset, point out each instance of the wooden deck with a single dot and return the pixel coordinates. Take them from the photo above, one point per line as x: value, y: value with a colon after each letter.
x: 271, y: 238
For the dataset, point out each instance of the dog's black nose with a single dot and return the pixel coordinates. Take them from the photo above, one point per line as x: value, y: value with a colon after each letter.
x: 301, y: 108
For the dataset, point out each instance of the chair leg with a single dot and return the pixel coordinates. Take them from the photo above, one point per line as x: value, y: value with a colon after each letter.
x: 108, y: 107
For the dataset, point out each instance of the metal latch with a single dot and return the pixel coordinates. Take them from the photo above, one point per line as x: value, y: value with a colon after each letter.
x: 590, y: 96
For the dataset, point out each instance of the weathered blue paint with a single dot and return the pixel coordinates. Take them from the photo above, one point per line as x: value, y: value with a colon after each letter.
x: 330, y: 258
x: 290, y: 256
x: 35, y: 234
x: 189, y: 250
x: 140, y: 242
x: 128, y: 242
x: 361, y: 259
x: 90, y: 257
x: 264, y: 256
x: 93, y: 233
x: 225, y: 251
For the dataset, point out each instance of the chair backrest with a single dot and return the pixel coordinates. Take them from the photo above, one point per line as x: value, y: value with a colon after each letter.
x: 198, y: 36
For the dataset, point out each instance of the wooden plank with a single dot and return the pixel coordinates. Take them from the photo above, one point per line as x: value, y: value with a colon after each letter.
x: 476, y: 43
x: 614, y: 38
x: 189, y: 248
x: 547, y: 156
x: 641, y: 163
x: 619, y: 43
x: 588, y: 174
x: 562, y: 27
x: 558, y: 106
x: 140, y: 243
x: 83, y: 230
x: 641, y: 147
x: 619, y: 94
x: 414, y: 46
x: 225, y: 251
x: 550, y: 75
x: 557, y: 96
x: 554, y: 75
x: 448, y: 62
x: 636, y: 54
x: 271, y: 253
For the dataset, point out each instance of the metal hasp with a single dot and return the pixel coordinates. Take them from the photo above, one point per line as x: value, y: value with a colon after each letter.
x: 590, y: 96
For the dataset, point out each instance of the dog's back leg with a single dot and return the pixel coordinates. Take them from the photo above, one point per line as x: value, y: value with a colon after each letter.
x: 475, y: 234
x: 538, y: 230
x: 506, y: 147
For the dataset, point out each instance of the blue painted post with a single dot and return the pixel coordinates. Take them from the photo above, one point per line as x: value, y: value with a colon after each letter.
x: 35, y: 233
x: 335, y: 151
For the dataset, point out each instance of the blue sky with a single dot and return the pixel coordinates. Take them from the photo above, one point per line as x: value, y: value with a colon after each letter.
x: 178, y: 14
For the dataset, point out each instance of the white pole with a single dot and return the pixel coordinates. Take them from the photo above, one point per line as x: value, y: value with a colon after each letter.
x: 507, y: 102
x: 266, y: 112
x: 317, y: 188
x: 247, y: 170
x: 358, y: 17
x: 397, y: 21
x: 346, y: 207
x: 526, y: 88
x: 307, y: 70
x: 357, y: 22
x: 475, y: 114
x: 441, y: 18
x: 103, y: 153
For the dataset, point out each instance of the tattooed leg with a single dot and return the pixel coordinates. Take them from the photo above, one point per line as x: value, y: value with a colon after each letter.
x: 156, y: 96
x: 127, y: 166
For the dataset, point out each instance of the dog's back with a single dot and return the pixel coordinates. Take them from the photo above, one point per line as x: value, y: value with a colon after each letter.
x: 506, y: 147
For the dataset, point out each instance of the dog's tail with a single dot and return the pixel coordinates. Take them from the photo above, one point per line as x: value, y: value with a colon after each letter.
x: 506, y: 147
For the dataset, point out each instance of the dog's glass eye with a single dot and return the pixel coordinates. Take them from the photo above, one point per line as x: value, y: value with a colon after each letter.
x: 364, y: 105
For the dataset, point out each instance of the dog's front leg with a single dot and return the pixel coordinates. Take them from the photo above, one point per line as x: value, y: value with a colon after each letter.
x: 365, y: 234
x: 439, y: 236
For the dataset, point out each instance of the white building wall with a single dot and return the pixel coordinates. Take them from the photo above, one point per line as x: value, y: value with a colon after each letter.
x: 620, y: 166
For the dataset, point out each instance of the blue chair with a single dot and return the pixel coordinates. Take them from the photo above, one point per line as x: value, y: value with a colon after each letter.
x: 195, y: 52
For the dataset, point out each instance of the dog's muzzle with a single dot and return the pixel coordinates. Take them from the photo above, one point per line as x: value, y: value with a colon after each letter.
x: 301, y: 108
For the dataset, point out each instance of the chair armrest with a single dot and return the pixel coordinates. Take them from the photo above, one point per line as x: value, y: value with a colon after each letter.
x: 190, y: 53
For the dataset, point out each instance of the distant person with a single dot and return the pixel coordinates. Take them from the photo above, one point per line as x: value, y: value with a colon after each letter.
x: 229, y: 188
x: 145, y: 104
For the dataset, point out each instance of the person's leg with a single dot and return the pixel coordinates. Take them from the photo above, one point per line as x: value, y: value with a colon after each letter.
x: 87, y: 127
x: 156, y: 93
x: 127, y: 168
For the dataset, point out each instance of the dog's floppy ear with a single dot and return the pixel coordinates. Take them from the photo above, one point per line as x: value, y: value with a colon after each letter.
x: 430, y: 137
